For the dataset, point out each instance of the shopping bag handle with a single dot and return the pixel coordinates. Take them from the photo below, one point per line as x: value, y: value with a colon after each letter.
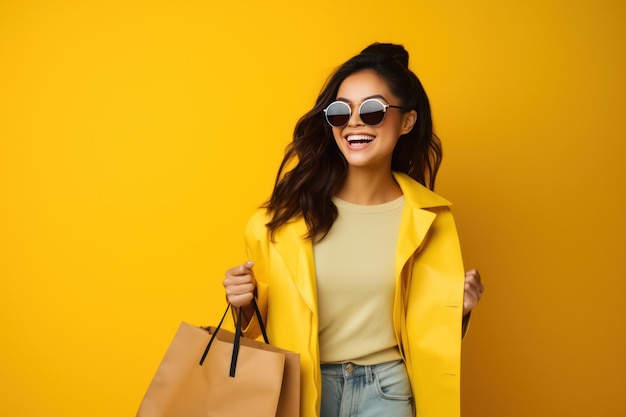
x: 238, y: 335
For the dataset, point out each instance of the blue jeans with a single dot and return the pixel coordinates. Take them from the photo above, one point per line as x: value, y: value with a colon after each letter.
x: 382, y: 390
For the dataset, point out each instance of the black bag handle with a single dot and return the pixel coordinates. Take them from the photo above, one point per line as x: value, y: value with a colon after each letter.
x: 238, y: 335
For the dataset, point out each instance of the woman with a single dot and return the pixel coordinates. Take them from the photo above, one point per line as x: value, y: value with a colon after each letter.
x: 354, y: 261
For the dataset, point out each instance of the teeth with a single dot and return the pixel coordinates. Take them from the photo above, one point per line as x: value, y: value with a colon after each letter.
x: 360, y: 138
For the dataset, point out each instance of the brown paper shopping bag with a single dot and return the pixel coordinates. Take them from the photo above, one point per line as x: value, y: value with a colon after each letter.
x: 215, y: 373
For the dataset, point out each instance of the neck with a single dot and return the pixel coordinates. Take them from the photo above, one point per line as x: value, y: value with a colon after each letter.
x: 367, y: 188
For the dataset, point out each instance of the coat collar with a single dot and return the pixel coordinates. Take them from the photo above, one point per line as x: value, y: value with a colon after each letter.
x: 297, y: 252
x: 416, y: 194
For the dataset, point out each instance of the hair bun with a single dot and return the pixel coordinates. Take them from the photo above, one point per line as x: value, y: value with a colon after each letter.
x: 389, y: 49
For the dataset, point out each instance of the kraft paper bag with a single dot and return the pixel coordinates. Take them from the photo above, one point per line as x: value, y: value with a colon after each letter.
x: 211, y: 372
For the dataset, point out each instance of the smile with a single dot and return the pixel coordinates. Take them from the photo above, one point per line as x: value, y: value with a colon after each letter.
x: 359, y: 139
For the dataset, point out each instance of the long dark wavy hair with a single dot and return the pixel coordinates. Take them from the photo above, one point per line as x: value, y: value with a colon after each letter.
x: 313, y: 168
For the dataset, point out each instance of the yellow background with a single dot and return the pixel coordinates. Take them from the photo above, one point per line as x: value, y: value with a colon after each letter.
x: 136, y: 138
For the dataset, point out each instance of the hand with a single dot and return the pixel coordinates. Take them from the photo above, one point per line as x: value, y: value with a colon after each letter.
x: 240, y: 285
x: 473, y: 291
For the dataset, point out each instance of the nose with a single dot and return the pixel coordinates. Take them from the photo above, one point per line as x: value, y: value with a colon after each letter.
x: 355, y: 118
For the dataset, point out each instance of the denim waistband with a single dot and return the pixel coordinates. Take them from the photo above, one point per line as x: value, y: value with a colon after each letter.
x: 352, y: 370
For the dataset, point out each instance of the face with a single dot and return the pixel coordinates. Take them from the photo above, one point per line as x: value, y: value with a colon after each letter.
x: 365, y: 146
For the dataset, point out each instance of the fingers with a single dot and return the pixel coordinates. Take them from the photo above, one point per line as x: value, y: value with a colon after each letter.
x: 472, y: 279
x: 240, y: 284
x: 473, y: 290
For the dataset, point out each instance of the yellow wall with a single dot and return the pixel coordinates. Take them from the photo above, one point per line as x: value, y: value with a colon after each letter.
x: 136, y: 137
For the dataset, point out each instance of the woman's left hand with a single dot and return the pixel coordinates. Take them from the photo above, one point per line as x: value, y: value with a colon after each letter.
x: 473, y: 291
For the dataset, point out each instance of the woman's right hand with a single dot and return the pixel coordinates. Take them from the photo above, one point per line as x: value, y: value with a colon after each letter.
x: 240, y: 285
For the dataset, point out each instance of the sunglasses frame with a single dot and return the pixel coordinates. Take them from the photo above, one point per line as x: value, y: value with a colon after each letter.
x: 384, y: 110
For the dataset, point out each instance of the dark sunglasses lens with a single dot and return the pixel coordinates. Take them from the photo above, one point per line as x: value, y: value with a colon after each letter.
x: 338, y: 114
x: 372, y: 112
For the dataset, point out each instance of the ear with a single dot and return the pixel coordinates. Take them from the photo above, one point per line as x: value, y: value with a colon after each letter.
x: 408, y: 121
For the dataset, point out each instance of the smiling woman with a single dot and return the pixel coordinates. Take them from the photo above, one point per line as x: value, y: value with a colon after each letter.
x: 368, y: 147
x: 354, y: 260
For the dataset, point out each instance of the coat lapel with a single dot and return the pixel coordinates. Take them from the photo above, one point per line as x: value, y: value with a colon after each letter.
x: 416, y: 219
x: 414, y: 227
x: 296, y: 253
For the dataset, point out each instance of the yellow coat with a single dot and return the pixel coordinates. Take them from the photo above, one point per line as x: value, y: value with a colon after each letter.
x: 428, y: 303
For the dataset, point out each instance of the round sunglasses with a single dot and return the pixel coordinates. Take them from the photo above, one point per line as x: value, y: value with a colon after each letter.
x: 372, y: 112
